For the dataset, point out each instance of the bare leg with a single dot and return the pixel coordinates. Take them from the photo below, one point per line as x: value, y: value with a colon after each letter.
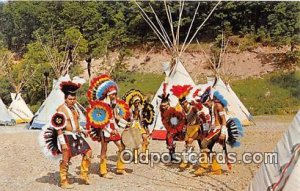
x: 103, y: 160
x: 145, y: 142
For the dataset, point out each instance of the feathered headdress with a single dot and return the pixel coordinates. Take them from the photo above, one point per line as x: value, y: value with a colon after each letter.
x: 100, y: 87
x: 69, y: 87
x: 219, y: 97
x: 98, y: 114
x: 206, y: 95
x: 181, y: 91
x: 164, y: 97
x: 235, y: 131
x: 133, y: 95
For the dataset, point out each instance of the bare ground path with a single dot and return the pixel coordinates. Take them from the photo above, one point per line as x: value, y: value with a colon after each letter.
x: 23, y: 166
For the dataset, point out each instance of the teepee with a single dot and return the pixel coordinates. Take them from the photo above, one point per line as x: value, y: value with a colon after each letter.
x: 178, y: 76
x: 283, y: 174
x: 55, y: 99
x: 19, y: 110
x: 235, y: 107
x: 56, y: 96
x: 5, y: 117
x: 175, y: 72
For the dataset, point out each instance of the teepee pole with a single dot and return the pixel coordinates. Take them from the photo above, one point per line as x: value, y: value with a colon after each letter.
x: 164, y: 32
x: 154, y: 28
x: 211, y: 12
x: 221, y: 53
x: 179, y: 24
x: 191, y: 25
x: 169, y: 16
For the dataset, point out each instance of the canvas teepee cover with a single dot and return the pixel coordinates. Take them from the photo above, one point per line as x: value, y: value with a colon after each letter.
x: 235, y: 107
x: 48, y: 108
x: 5, y: 117
x: 285, y: 175
x: 177, y: 76
x: 19, y: 110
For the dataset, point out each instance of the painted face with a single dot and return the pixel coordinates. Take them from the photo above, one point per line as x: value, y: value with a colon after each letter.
x: 70, y: 100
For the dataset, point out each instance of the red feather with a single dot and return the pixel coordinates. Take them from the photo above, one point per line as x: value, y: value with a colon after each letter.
x: 181, y: 91
x: 196, y: 93
x: 167, y: 117
x: 95, y: 82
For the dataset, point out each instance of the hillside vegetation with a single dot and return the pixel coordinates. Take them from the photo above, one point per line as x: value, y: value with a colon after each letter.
x: 34, y: 35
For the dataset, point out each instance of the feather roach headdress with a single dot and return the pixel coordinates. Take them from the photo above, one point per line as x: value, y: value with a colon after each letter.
x: 164, y: 97
x: 220, y: 98
x: 181, y: 91
x: 69, y: 88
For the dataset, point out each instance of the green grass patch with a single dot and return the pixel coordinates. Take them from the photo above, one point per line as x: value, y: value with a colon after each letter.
x: 274, y: 93
x: 147, y: 83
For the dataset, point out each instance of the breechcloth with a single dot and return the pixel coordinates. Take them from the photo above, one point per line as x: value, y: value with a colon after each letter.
x: 76, y: 146
x: 209, y: 141
x: 179, y: 136
x: 191, y: 131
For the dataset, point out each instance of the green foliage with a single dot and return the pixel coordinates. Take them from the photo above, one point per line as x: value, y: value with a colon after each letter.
x: 106, y: 26
x: 276, y: 93
x: 5, y: 90
x: 109, y: 25
x: 82, y: 95
x: 147, y: 83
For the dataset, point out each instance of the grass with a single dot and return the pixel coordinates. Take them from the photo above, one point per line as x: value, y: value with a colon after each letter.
x: 274, y: 93
x: 147, y: 83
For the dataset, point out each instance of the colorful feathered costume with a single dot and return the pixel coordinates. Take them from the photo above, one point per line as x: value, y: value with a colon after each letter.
x: 142, y: 114
x: 65, y: 132
x: 230, y: 130
x: 105, y: 115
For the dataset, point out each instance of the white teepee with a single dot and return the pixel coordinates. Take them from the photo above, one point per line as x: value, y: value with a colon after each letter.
x: 55, y: 99
x: 283, y: 174
x: 5, y: 117
x: 176, y: 74
x: 235, y: 107
x: 19, y: 110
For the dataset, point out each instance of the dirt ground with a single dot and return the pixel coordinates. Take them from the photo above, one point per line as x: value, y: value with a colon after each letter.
x: 235, y: 64
x: 23, y: 166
